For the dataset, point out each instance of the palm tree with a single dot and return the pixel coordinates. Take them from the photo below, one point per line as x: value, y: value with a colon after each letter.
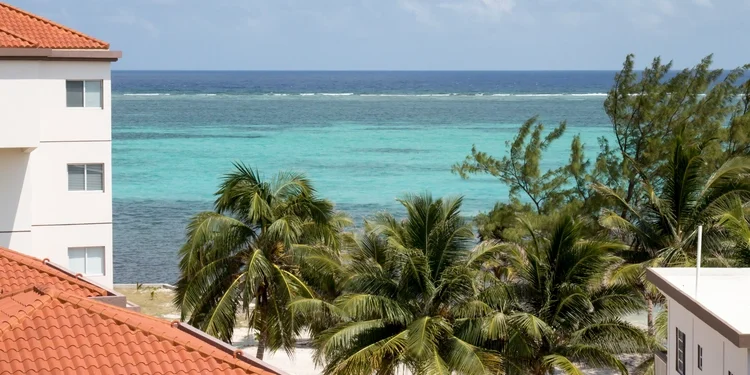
x: 663, y: 230
x: 556, y: 310
x: 242, y: 257
x: 736, y: 221
x: 408, y: 287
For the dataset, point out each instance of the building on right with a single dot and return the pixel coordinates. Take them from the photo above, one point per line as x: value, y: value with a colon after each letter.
x: 709, y: 320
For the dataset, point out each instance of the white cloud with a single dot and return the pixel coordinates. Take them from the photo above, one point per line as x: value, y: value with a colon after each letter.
x: 666, y: 7
x: 421, y: 11
x: 499, y: 6
x: 126, y: 17
x: 705, y: 3
x: 648, y: 14
x: 491, y: 9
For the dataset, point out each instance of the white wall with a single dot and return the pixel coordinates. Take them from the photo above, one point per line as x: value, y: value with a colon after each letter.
x: 713, y: 349
x: 719, y: 354
x: 682, y: 319
x: 16, y: 240
x: 20, y: 91
x: 34, y: 117
x: 60, y: 123
x: 53, y: 203
x: 735, y: 359
x: 15, y: 191
x: 53, y: 242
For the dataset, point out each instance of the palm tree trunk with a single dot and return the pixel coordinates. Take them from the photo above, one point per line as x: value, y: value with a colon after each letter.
x: 261, y: 345
x: 260, y: 305
x: 650, y: 315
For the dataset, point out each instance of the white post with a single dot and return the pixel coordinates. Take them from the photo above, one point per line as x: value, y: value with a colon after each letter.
x: 698, y: 259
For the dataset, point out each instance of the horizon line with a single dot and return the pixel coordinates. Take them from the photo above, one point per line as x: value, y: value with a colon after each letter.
x: 370, y: 70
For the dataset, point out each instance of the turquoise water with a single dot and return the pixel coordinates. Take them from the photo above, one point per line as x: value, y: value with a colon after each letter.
x: 362, y: 152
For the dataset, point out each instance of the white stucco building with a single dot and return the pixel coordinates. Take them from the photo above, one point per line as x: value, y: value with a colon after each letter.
x: 709, y: 333
x: 55, y: 144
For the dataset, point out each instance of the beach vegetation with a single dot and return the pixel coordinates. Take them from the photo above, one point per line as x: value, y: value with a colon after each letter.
x: 544, y: 283
x: 677, y: 159
x: 242, y: 256
x: 557, y: 309
x: 411, y: 294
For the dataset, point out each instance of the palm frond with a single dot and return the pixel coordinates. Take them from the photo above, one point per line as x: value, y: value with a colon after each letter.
x: 556, y: 361
x: 592, y: 356
x: 368, y: 306
x: 531, y: 325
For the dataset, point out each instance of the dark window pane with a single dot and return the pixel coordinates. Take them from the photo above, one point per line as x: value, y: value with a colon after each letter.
x: 94, y: 177
x: 74, y: 91
x: 76, y: 177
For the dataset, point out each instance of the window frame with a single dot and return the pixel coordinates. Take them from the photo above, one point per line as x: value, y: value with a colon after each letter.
x: 86, y: 259
x: 86, y: 178
x: 700, y: 358
x: 83, y: 81
x: 680, y: 352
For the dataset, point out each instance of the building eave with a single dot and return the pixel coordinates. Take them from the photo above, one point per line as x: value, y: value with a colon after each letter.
x: 59, y: 54
x: 739, y: 339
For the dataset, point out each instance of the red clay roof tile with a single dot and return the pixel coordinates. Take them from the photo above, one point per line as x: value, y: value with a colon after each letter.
x: 20, y: 271
x: 20, y: 29
x: 49, y: 331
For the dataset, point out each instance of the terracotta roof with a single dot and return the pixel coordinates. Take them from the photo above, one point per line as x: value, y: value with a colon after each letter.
x: 45, y: 331
x: 19, y: 271
x: 20, y: 29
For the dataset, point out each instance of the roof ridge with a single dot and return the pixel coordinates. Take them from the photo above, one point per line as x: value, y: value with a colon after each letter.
x: 32, y: 42
x: 26, y: 260
x: 105, y: 310
x: 54, y: 24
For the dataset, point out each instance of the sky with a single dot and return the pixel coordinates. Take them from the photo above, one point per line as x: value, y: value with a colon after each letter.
x: 407, y: 34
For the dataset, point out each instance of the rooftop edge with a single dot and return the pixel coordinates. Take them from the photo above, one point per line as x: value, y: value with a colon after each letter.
x: 59, y: 54
x: 739, y: 339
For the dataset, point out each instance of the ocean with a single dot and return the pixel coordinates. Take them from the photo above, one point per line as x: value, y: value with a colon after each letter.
x: 364, y: 138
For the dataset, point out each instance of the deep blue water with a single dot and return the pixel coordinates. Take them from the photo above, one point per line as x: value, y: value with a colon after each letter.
x: 365, y: 138
x: 362, y: 82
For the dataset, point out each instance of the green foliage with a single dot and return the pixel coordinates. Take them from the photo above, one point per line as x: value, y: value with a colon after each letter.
x: 410, y: 284
x: 501, y: 222
x: 691, y: 193
x: 556, y: 312
x: 649, y: 111
x: 520, y: 170
x: 242, y: 256
x: 738, y: 133
x: 678, y: 159
x: 415, y: 295
x: 547, y: 287
x: 662, y: 230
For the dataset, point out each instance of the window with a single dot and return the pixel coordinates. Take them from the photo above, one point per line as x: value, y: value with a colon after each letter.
x: 680, y: 358
x: 84, y: 93
x: 700, y: 358
x: 86, y: 260
x: 85, y: 177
